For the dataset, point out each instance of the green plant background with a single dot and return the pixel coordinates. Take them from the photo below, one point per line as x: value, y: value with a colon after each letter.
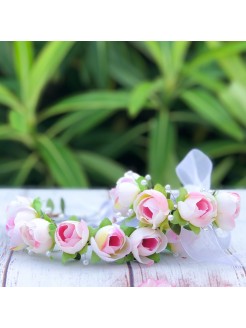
x: 78, y: 114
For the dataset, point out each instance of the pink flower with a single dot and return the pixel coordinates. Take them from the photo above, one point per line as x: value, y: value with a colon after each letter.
x: 155, y: 283
x: 145, y: 242
x: 151, y: 207
x: 125, y: 192
x: 18, y: 211
x: 111, y: 243
x: 35, y: 234
x: 228, y: 209
x: 71, y: 236
x: 200, y: 209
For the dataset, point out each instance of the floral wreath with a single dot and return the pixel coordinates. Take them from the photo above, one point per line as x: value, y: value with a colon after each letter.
x: 143, y: 220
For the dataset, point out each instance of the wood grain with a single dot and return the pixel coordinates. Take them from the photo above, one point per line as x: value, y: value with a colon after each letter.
x: 21, y: 269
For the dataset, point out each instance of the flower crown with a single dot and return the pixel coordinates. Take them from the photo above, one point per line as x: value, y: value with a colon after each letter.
x: 143, y: 220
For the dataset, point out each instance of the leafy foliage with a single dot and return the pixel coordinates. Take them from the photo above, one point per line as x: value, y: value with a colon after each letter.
x: 76, y: 114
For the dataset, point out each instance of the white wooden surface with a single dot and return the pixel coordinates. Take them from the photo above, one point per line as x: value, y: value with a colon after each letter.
x: 20, y: 269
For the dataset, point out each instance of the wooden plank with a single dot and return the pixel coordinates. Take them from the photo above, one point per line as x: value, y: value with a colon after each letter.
x: 37, y: 270
x: 20, y: 269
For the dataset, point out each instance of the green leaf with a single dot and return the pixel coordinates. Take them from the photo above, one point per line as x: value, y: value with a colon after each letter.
x: 177, y: 219
x: 25, y: 169
x: 160, y: 188
x: 62, y: 205
x: 45, y: 66
x: 47, y: 218
x: 50, y: 204
x: 101, y: 166
x: 165, y: 225
x: 226, y: 50
x: 62, y: 163
x: 23, y: 55
x: 105, y: 222
x: 127, y: 258
x: 66, y: 257
x: 94, y: 100
x: 83, y: 250
x: 92, y: 231
x: 196, y: 230
x: 182, y: 194
x: 170, y: 204
x: 212, y: 111
x: 37, y: 204
x: 74, y: 218
x: 154, y: 49
x: 52, y: 230
x: 222, y: 170
x: 218, y: 148
x: 234, y: 99
x: 175, y: 228
x: 8, y: 99
x: 127, y: 230
x: 141, y: 93
x: 94, y: 258
x: 18, y: 122
x: 161, y: 156
x: 155, y: 257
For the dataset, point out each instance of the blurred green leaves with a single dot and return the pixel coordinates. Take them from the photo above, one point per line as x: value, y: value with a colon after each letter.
x: 74, y: 114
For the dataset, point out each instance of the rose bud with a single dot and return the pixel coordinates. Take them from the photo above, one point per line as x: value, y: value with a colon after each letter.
x: 151, y: 207
x: 200, y: 209
x: 125, y: 192
x: 71, y: 236
x: 35, y: 234
x: 228, y: 209
x: 145, y: 242
x: 111, y: 243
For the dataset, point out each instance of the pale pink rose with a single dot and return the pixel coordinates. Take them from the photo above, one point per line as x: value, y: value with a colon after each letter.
x: 145, y: 242
x: 228, y: 209
x: 125, y: 192
x: 71, y: 236
x: 200, y: 209
x: 18, y: 212
x: 155, y: 283
x: 151, y: 207
x: 35, y: 234
x: 111, y: 243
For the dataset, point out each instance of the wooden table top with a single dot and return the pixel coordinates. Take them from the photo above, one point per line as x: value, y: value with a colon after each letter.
x: 21, y: 269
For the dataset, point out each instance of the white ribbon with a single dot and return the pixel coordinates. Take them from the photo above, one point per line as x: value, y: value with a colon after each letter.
x: 194, y: 171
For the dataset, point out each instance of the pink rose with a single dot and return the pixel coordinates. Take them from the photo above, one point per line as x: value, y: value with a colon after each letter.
x: 111, y: 243
x: 155, y: 283
x: 18, y: 211
x: 145, y: 242
x: 228, y: 209
x: 71, y: 236
x: 35, y: 234
x: 151, y: 207
x: 200, y: 209
x: 125, y: 192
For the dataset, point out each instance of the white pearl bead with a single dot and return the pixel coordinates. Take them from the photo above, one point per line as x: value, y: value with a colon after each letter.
x: 167, y: 187
x: 85, y: 262
x: 129, y: 212
x: 48, y: 253
x: 176, y: 254
x: 144, y: 183
x: 148, y: 177
x: 118, y: 214
x: 30, y: 252
x: 170, y: 217
x: 175, y: 206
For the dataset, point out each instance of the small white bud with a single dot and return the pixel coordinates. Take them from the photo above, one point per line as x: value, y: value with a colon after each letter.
x: 170, y: 217
x: 148, y: 177
x: 85, y: 262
